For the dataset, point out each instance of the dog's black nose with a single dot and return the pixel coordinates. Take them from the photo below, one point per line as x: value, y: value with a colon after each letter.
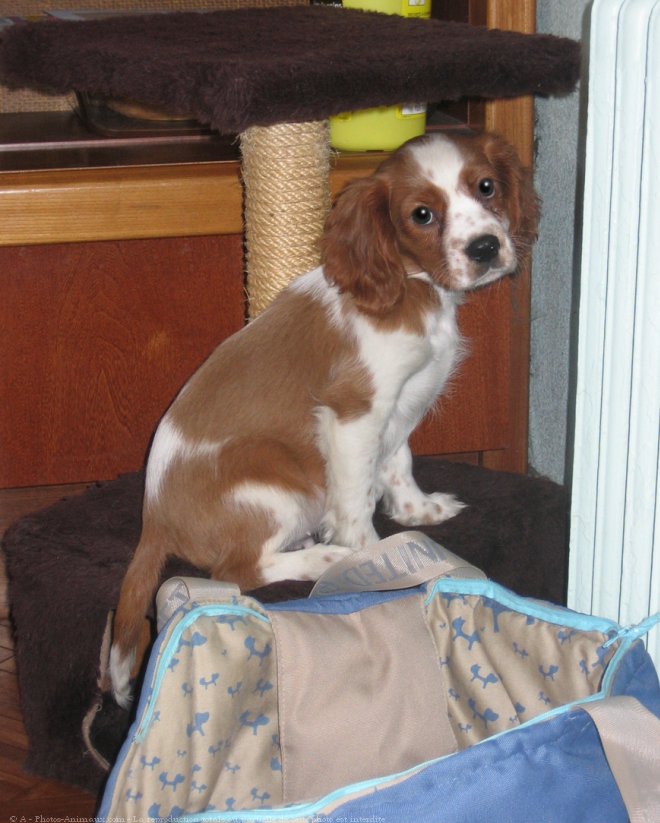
x: 483, y: 249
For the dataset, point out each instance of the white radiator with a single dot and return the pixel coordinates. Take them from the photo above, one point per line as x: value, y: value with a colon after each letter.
x: 614, y: 568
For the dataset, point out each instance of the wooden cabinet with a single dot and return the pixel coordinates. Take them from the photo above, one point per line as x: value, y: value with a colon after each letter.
x: 117, y: 281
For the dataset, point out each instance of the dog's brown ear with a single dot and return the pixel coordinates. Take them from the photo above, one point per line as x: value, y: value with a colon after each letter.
x: 523, y: 202
x: 358, y: 247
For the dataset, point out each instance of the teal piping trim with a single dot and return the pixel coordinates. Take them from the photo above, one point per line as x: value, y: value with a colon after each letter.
x: 304, y: 809
x: 635, y: 631
x: 309, y: 810
x: 172, y: 644
x: 549, y: 613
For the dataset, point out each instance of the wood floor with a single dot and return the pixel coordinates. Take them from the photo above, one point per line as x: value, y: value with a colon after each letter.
x: 23, y: 796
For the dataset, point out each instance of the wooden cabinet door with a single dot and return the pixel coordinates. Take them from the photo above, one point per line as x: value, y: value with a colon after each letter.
x: 96, y: 338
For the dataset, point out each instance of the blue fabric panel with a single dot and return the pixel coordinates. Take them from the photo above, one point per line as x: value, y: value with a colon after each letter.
x: 637, y: 677
x: 546, y: 773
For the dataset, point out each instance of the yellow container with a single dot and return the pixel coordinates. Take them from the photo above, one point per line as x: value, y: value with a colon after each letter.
x: 387, y: 127
x: 406, y: 8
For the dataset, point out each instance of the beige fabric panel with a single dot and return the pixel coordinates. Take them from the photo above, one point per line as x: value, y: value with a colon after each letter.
x: 213, y: 741
x: 25, y: 100
x: 360, y: 695
x: 503, y: 668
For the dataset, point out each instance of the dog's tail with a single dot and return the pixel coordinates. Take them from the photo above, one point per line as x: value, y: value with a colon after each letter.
x: 129, y: 627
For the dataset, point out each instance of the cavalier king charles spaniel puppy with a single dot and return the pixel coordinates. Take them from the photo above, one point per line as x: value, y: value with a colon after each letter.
x: 297, y: 426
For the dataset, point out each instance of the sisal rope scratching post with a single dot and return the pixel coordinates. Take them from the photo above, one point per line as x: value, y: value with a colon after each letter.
x: 285, y: 171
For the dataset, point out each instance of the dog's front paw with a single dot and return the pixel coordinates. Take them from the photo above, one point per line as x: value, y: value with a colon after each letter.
x: 427, y: 510
x: 348, y: 531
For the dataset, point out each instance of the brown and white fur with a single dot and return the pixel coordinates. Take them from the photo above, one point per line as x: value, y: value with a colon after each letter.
x: 298, y: 424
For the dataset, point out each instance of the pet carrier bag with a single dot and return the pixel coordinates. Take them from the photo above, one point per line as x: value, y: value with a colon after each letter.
x: 386, y: 698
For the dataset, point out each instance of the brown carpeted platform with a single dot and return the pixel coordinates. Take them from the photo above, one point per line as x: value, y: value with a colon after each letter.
x: 246, y: 67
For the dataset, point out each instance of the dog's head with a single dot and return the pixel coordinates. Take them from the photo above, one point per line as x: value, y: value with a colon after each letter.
x: 461, y: 208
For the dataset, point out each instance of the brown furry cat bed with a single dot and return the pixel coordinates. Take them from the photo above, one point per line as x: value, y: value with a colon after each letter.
x: 66, y: 564
x: 245, y: 67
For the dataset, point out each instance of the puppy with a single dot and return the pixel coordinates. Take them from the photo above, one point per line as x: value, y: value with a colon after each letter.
x: 298, y: 424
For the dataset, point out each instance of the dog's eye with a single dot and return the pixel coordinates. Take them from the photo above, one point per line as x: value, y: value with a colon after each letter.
x: 422, y: 216
x: 486, y: 187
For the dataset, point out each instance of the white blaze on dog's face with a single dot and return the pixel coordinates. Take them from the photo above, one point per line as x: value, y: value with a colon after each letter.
x: 453, y: 209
